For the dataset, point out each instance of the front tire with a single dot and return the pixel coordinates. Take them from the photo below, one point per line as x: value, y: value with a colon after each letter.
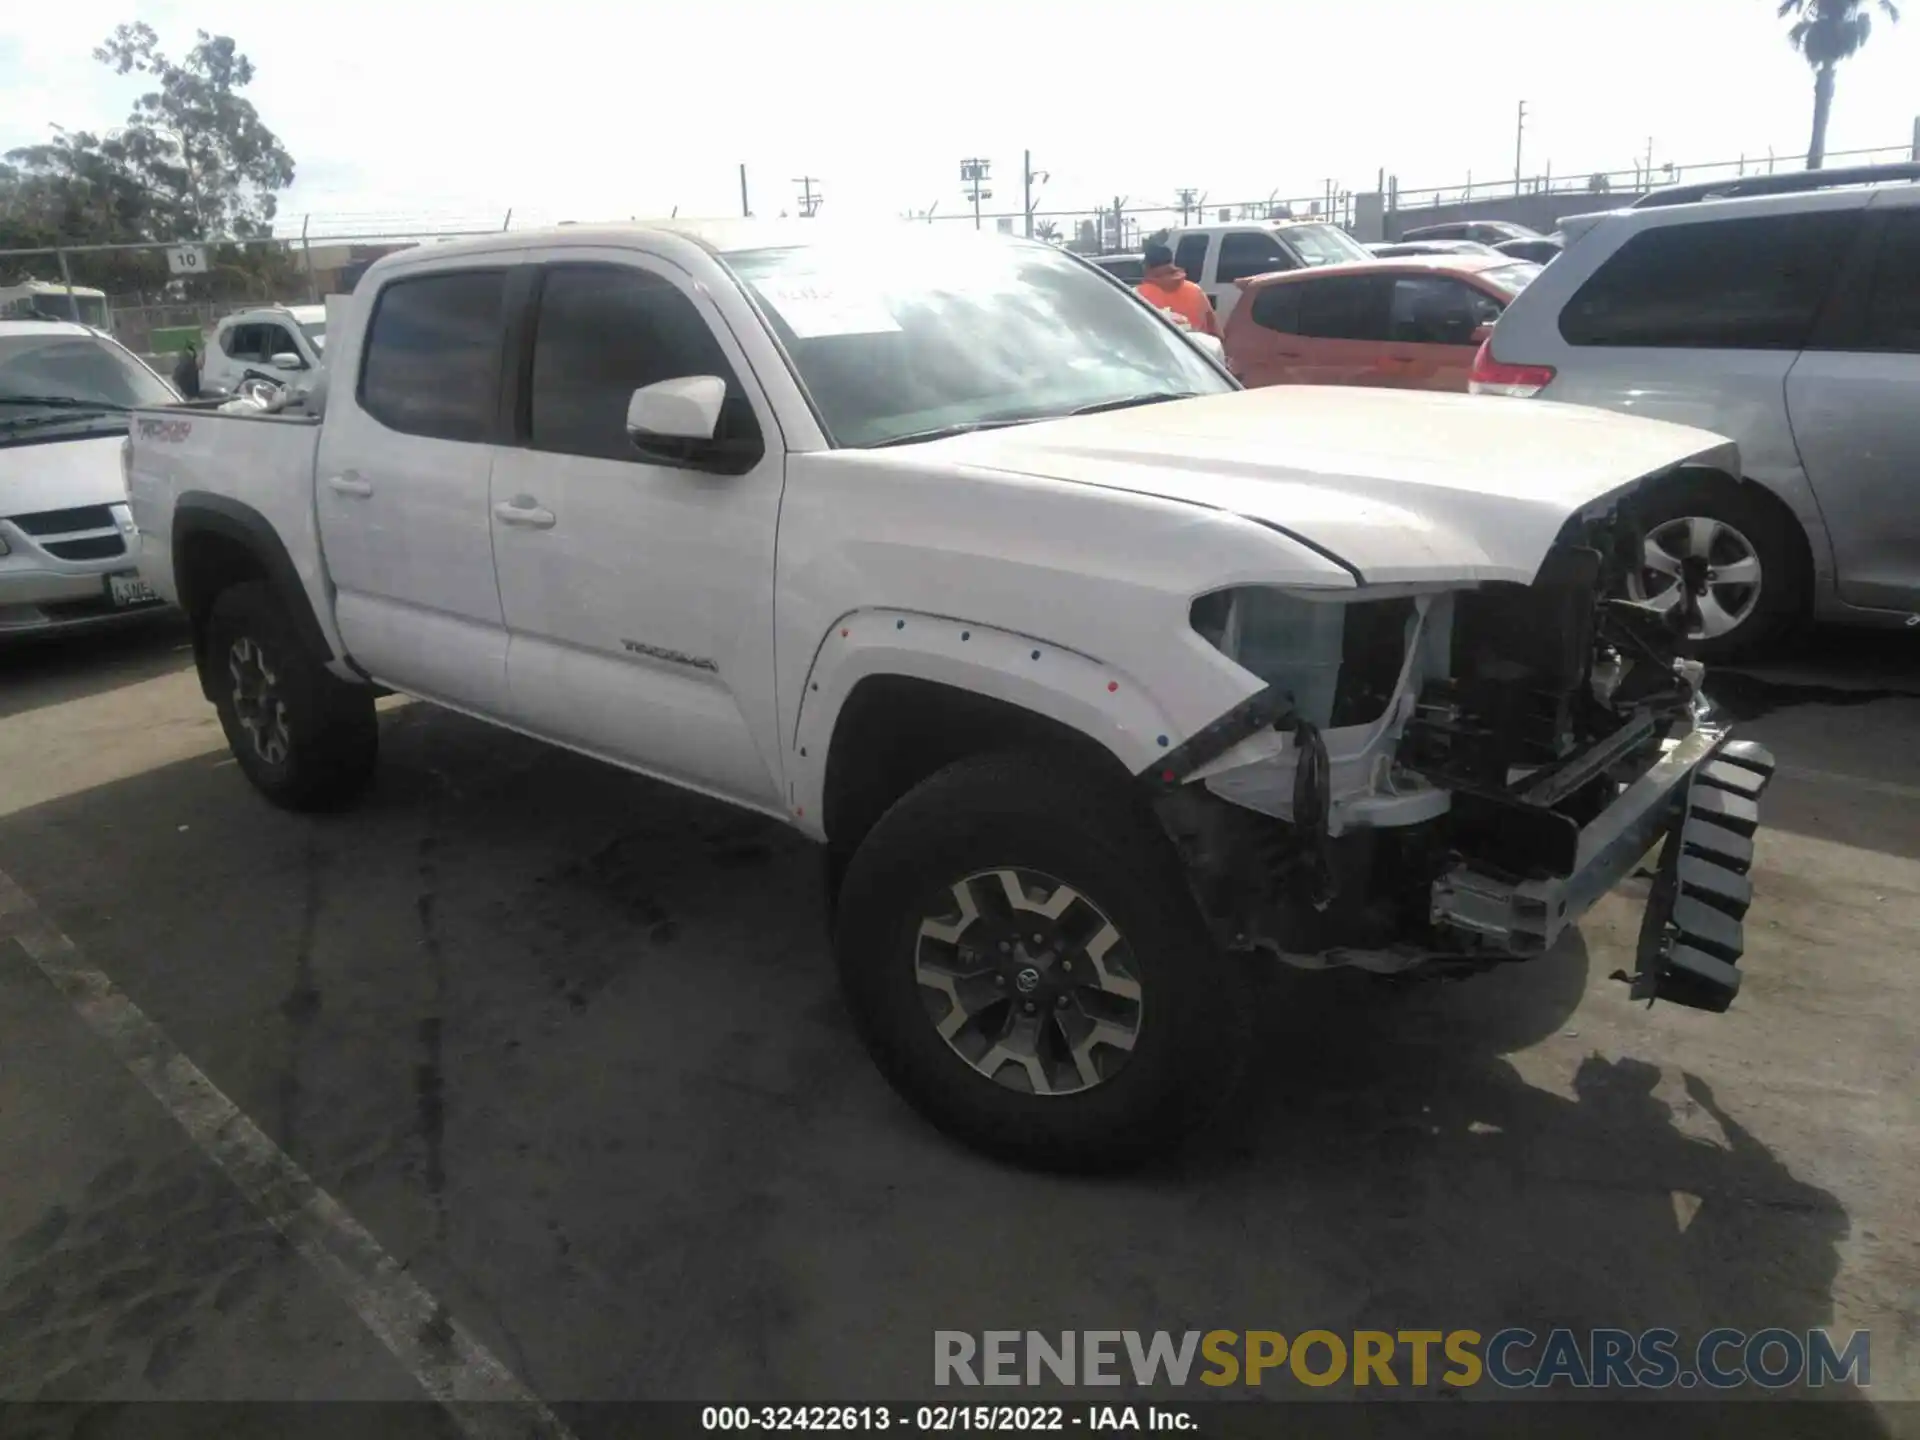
x: 1022, y: 957
x: 307, y: 740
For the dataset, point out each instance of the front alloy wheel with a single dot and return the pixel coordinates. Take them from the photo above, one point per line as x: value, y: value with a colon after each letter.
x: 1029, y: 982
x: 1711, y: 558
x: 258, y: 703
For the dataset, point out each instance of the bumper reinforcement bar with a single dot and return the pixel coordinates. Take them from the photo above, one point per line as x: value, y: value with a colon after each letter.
x: 1700, y: 803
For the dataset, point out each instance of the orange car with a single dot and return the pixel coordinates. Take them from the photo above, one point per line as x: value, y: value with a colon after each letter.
x: 1412, y: 324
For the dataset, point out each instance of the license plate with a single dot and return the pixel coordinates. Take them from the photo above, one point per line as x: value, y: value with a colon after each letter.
x: 130, y: 589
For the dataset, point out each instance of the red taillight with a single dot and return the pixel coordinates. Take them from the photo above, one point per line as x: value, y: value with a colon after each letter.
x: 1491, y: 377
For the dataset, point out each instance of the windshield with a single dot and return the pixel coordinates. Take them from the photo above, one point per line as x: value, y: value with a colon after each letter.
x: 76, y: 369
x: 1324, y: 244
x: 1511, y: 279
x: 316, y: 331
x: 896, y: 340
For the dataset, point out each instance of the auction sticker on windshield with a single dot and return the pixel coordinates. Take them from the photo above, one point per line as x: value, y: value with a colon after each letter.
x: 814, y: 307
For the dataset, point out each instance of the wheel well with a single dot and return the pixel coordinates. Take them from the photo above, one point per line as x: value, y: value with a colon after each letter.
x: 1797, y: 543
x: 894, y: 731
x: 205, y: 562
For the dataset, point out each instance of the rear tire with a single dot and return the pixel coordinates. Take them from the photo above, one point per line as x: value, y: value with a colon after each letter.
x: 1095, y: 1035
x: 1730, y: 525
x: 307, y: 740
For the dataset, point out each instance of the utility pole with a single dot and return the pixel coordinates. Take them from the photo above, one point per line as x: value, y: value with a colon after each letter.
x: 1186, y: 194
x: 1034, y: 177
x: 1519, y: 135
x: 745, y: 209
x: 973, y: 173
x: 809, y: 200
x: 1649, y: 162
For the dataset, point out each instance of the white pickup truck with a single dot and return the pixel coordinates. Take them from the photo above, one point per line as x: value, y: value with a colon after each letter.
x: 1099, y: 678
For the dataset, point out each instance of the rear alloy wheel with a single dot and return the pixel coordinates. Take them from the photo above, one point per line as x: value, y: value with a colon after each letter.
x: 1023, y: 958
x: 306, y: 739
x: 1710, y: 558
x: 257, y: 703
x: 1029, y: 982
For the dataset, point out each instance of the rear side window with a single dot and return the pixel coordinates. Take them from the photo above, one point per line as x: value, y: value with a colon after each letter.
x: 1250, y: 252
x: 1437, y: 310
x: 1191, y: 256
x: 1753, y: 284
x: 432, y: 364
x: 1893, y: 311
x: 1277, y: 307
x: 604, y: 332
x: 1347, y: 307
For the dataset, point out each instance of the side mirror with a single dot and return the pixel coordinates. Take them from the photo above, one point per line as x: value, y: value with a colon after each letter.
x: 687, y: 408
x: 1481, y: 334
x: 287, y: 360
x: 1211, y: 344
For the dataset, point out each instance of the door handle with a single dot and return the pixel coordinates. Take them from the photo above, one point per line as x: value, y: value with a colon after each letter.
x: 525, y: 511
x: 350, y: 484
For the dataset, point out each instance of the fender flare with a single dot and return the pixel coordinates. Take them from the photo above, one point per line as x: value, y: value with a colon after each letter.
x: 1079, y: 691
x: 200, y: 512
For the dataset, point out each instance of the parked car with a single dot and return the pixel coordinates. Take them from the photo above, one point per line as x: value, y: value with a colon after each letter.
x: 1487, y: 232
x: 1536, y: 251
x: 1129, y: 268
x: 1411, y: 324
x: 1095, y: 674
x: 65, y: 558
x: 1400, y: 250
x: 1217, y: 257
x: 1788, y: 320
x: 276, y: 340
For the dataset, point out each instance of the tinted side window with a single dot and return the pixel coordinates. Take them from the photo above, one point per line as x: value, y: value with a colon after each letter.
x: 604, y: 331
x: 1752, y: 284
x: 241, y: 342
x: 1277, y: 307
x: 1191, y: 256
x: 274, y: 340
x: 1346, y: 307
x: 1893, y: 308
x: 433, y: 355
x: 1250, y: 252
x: 1435, y: 310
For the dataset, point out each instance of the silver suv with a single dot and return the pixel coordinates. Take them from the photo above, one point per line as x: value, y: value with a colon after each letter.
x: 1784, y: 313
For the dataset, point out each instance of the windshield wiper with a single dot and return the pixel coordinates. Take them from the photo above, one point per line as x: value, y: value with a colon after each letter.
x: 1151, y: 397
x: 62, y: 402
x: 964, y: 427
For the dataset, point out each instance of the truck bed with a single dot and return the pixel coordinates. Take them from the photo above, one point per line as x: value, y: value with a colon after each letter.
x: 237, y: 462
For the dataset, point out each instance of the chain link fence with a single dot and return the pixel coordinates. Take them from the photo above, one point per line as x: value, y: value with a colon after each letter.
x: 156, y: 298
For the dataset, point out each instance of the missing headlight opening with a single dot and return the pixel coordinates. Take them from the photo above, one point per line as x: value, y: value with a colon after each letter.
x: 1473, y: 752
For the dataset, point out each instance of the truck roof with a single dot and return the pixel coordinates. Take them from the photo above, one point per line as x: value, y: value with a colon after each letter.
x: 718, y: 237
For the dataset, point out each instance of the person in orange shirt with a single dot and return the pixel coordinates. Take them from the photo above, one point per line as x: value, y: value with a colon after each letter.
x: 1166, y: 286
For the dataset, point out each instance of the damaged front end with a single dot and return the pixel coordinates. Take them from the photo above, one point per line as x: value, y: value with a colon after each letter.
x: 1435, y: 781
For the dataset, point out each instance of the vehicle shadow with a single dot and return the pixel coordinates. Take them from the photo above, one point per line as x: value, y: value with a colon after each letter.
x: 568, y: 1040
x: 1391, y: 1137
x: 53, y: 669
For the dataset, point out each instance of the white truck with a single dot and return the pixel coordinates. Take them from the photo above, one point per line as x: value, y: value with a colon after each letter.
x: 1099, y: 679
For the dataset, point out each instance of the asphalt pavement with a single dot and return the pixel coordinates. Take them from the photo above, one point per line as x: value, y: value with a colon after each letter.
x: 563, y: 1046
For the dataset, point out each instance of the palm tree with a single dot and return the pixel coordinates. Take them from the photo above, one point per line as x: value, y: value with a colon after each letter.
x: 1827, y: 32
x: 1046, y: 230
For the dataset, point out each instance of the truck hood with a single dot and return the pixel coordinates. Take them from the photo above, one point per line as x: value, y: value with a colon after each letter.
x: 1400, y: 486
x: 60, y: 474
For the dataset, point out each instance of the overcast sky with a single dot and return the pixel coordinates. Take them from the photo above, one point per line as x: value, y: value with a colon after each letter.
x: 415, y: 110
